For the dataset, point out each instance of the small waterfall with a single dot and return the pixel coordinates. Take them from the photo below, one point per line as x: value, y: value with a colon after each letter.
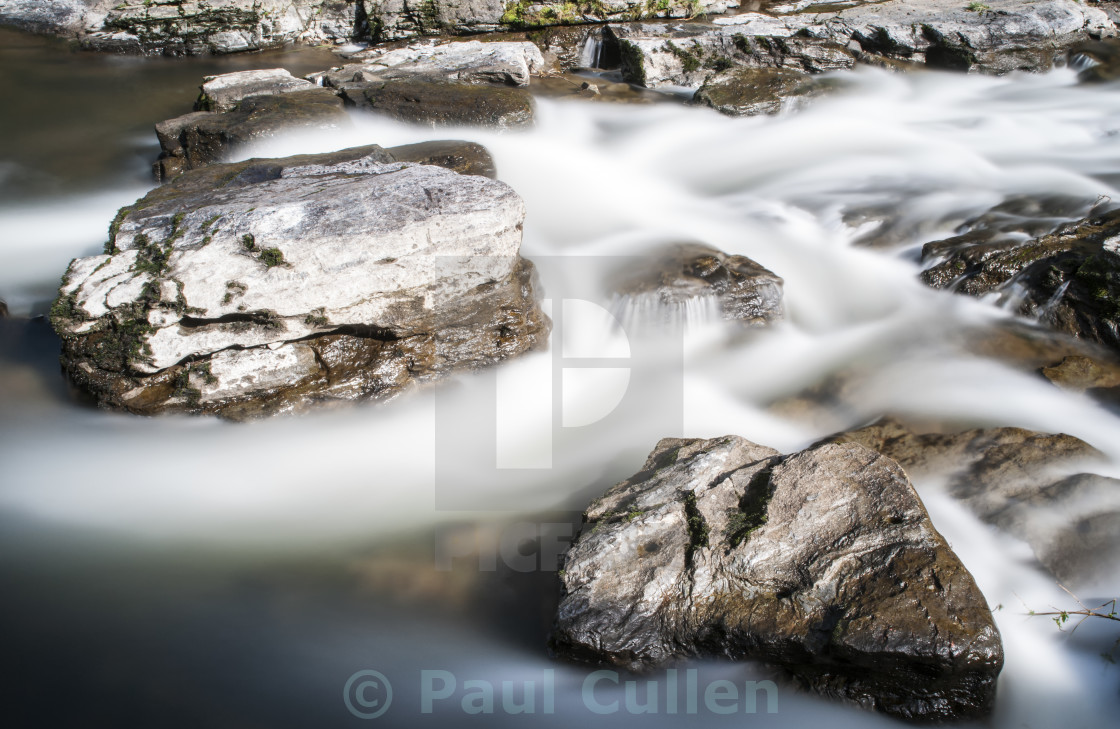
x: 592, y: 50
x: 648, y: 311
x: 1045, y: 312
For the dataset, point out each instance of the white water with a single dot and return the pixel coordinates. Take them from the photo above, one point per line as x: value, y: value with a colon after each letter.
x: 602, y: 183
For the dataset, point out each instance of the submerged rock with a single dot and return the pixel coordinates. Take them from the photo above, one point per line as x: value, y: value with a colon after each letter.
x: 753, y: 91
x: 274, y: 284
x: 743, y: 290
x: 1068, y: 279
x: 823, y: 562
x: 439, y: 104
x: 1023, y: 482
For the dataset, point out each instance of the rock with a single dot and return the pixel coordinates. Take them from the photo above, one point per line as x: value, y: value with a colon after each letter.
x: 743, y: 290
x: 466, y: 158
x: 1099, y: 61
x: 61, y: 17
x: 823, y: 562
x: 203, y: 137
x: 225, y: 92
x: 174, y: 27
x: 438, y: 104
x: 1019, y: 480
x: 1080, y: 373
x: 472, y: 62
x: 1068, y: 279
x: 3, y: 309
x: 820, y: 36
x: 753, y: 91
x: 657, y: 56
x: 274, y: 284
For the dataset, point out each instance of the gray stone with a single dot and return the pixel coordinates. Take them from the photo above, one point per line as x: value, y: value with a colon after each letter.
x: 225, y: 92
x: 823, y: 562
x: 1019, y: 480
x: 390, y: 273
x: 469, y: 62
x: 743, y: 290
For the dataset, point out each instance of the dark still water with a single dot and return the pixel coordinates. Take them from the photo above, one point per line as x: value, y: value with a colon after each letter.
x: 76, y: 121
x: 187, y: 572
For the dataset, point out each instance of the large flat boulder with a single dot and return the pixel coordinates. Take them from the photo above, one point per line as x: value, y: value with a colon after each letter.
x: 823, y: 562
x: 269, y: 285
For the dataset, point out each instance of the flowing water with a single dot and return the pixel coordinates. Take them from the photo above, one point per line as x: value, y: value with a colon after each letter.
x: 191, y: 572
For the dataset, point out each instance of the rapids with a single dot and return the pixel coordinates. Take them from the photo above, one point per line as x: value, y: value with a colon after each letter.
x: 182, y: 571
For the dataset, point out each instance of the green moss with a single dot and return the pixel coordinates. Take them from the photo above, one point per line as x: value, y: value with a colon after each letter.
x: 272, y: 257
x: 634, y: 514
x: 688, y: 59
x: 316, y: 319
x: 233, y: 290
x: 698, y: 530
x: 633, y: 63
x: 114, y: 229
x: 248, y: 242
x: 751, y: 513
x: 742, y: 44
x: 209, y: 222
x: 150, y: 257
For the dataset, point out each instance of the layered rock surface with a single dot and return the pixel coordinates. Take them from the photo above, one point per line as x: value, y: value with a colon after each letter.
x: 269, y: 285
x: 823, y: 562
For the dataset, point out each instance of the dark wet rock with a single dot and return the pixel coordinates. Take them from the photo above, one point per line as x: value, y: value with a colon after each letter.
x: 1016, y: 218
x: 3, y: 309
x: 752, y: 91
x: 203, y: 137
x: 575, y: 86
x: 823, y: 562
x: 439, y: 104
x: 1068, y: 279
x: 743, y: 290
x: 272, y: 285
x: 1099, y: 61
x: 1023, y: 482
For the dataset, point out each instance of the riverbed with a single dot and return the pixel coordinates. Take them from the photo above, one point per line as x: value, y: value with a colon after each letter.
x: 187, y: 571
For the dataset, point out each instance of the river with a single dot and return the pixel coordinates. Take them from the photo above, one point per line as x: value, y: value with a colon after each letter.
x: 187, y: 572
